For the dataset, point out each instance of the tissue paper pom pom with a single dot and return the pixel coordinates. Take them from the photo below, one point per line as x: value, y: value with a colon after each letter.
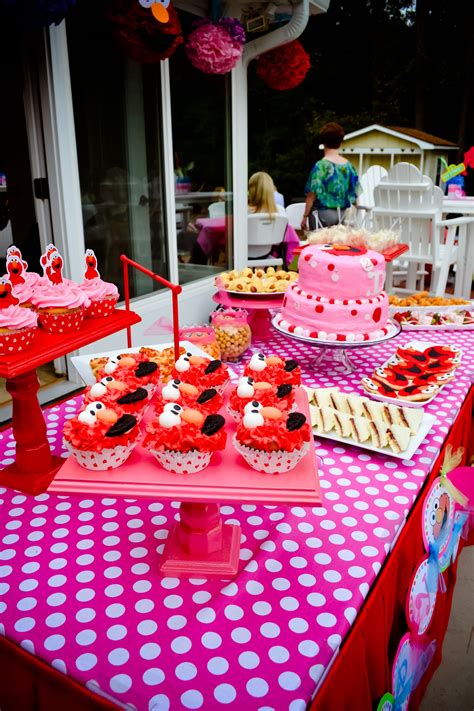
x: 140, y: 36
x: 234, y: 28
x: 284, y: 67
x: 212, y: 49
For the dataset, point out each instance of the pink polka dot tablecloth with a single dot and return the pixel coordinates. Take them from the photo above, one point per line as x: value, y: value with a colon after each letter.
x: 79, y: 585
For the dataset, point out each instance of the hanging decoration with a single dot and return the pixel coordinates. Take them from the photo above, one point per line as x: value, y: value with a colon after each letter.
x: 284, y: 67
x: 216, y: 47
x: 40, y: 13
x: 139, y: 35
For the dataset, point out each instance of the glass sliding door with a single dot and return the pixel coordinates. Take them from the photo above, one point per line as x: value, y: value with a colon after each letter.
x: 117, y: 115
x: 200, y: 109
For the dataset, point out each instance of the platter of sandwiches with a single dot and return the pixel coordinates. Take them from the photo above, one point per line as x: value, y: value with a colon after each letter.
x: 357, y: 420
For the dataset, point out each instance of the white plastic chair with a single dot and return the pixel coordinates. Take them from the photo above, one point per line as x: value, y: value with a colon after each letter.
x: 295, y: 214
x: 408, y: 202
x: 265, y: 231
x: 365, y: 202
x: 216, y: 209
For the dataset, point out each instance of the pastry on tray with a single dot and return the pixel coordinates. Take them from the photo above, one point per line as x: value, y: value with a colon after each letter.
x: 361, y: 419
x: 100, y: 437
x: 272, y: 441
x: 208, y: 400
x: 256, y: 281
x: 248, y: 389
x: 103, y: 295
x: 17, y: 324
x: 183, y: 440
x: 201, y: 372
x: 422, y: 298
x: 273, y: 369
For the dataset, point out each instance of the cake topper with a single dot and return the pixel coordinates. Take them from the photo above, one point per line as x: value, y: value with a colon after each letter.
x: 91, y: 265
x: 15, y: 268
x: 52, y: 264
x: 6, y: 296
x: 13, y: 251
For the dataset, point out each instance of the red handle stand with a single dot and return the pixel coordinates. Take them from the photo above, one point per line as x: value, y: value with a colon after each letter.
x: 35, y: 466
x: 199, y: 545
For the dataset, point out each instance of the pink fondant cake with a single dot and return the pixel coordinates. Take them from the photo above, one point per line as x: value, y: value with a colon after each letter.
x: 338, y: 296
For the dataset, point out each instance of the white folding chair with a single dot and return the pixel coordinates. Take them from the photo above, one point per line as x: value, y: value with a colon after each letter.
x: 264, y: 232
x: 216, y: 209
x: 295, y: 214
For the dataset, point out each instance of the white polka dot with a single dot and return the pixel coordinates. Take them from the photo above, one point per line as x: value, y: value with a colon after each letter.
x: 356, y: 571
x: 55, y: 620
x: 180, y: 645
x: 173, y: 601
x: 337, y: 539
x: 54, y: 642
x: 147, y: 627
x: 349, y: 521
x: 261, y: 608
x: 153, y: 676
x: 118, y: 656
x: 270, y: 630
x: 212, y: 640
x: 24, y: 624
x: 289, y: 681
x: 326, y: 619
x: 218, y: 665
x: 186, y: 671
x: 225, y: 693
x: 27, y: 603
x: 342, y: 594
x: 192, y: 699
x: 249, y: 660
x: 369, y: 551
x: 120, y: 683
x: 308, y: 648
x: 350, y: 613
x: 151, y: 650
x: 334, y: 641
x: 144, y: 606
x: 316, y: 599
x: 176, y: 622
x: 257, y: 687
x: 359, y: 535
x: 345, y: 554
x: 289, y: 603
x: 85, y: 662
x: 115, y: 610
x: 322, y: 558
x: 298, y: 625
x: 307, y: 580
x: 230, y: 590
x: 281, y: 584
x: 332, y: 576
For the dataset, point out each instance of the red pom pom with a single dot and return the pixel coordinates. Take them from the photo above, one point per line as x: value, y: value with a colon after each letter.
x: 284, y: 67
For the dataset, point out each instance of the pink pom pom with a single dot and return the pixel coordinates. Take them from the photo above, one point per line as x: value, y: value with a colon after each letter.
x: 212, y: 50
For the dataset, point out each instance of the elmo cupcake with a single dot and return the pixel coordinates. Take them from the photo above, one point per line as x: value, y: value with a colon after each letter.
x: 273, y: 369
x: 272, y: 441
x: 280, y: 396
x: 17, y: 325
x: 101, y: 438
x: 201, y: 372
x: 132, y: 398
x: 134, y: 369
x: 184, y: 440
x: 207, y: 401
x: 103, y: 295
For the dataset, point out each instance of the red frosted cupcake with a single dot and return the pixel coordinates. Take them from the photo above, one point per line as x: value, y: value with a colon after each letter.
x: 247, y: 390
x: 201, y: 372
x: 134, y: 369
x: 183, y: 440
x: 60, y: 303
x: 207, y: 401
x: 103, y: 295
x: 273, y: 369
x: 272, y: 441
x: 17, y: 325
x: 131, y: 397
x: 101, y: 438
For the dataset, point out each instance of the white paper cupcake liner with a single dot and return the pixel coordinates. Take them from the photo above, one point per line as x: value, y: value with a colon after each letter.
x: 235, y: 414
x: 182, y: 462
x: 101, y: 461
x: 271, y: 462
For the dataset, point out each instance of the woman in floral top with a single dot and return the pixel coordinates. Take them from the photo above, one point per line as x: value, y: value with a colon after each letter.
x: 333, y: 184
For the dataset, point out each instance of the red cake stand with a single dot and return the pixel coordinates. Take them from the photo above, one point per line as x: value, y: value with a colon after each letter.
x: 200, y: 545
x: 35, y: 466
x: 259, y: 305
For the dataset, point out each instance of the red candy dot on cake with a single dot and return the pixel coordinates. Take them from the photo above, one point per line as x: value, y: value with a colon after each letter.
x: 331, y: 267
x: 377, y: 314
x: 353, y: 312
x: 374, y: 262
x: 319, y: 309
x: 307, y: 257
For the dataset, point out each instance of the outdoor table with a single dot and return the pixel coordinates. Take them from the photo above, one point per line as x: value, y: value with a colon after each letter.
x: 83, y: 608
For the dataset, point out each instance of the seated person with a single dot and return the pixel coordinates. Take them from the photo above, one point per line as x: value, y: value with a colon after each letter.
x: 261, y: 196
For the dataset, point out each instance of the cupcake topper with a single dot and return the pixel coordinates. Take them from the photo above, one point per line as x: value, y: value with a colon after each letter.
x: 171, y: 390
x: 6, y: 297
x: 95, y: 412
x: 245, y: 387
x: 91, y: 265
x: 258, y: 362
x: 15, y: 269
x: 252, y: 419
x: 99, y: 389
x: 170, y: 417
x: 52, y: 264
x: 253, y: 405
x: 182, y: 364
x: 13, y: 251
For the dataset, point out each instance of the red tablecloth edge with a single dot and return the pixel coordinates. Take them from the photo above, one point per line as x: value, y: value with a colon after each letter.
x: 361, y: 673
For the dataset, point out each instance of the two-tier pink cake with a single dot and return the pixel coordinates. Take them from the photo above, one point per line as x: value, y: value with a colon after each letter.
x: 338, y: 296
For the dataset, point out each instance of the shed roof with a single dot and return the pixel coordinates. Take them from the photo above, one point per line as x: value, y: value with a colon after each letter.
x: 420, y: 138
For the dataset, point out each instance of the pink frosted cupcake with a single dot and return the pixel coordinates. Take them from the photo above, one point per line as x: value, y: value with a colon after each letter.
x: 103, y: 295
x: 60, y: 304
x: 17, y: 325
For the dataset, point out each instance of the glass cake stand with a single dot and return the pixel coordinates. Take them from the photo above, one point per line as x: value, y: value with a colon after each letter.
x: 336, y: 352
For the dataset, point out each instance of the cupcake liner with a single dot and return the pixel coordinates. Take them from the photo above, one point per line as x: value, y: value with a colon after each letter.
x: 100, y: 461
x: 12, y: 342
x: 220, y: 388
x: 235, y: 414
x: 271, y: 462
x: 99, y: 308
x: 64, y: 322
x: 182, y: 462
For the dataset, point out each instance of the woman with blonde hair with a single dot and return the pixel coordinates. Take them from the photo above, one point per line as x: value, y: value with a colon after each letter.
x: 261, y: 197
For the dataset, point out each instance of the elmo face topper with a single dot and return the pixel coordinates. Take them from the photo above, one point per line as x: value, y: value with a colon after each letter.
x: 159, y: 9
x: 438, y: 521
x: 344, y: 250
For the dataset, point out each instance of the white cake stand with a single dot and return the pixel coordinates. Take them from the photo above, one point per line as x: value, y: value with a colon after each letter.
x: 336, y: 352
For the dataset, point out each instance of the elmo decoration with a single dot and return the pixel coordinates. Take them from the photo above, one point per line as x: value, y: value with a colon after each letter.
x: 138, y: 34
x: 285, y: 67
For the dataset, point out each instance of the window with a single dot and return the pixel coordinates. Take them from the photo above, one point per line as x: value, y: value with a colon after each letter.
x: 200, y: 108
x: 117, y: 114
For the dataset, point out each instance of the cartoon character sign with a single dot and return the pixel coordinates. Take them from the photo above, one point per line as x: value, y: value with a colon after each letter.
x: 437, y: 521
x: 421, y: 600
x: 411, y: 661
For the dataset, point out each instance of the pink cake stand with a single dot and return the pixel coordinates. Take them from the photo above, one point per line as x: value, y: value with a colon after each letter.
x: 259, y: 305
x: 199, y: 545
x: 336, y: 353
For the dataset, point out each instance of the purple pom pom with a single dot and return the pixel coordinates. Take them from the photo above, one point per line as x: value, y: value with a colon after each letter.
x: 234, y: 27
